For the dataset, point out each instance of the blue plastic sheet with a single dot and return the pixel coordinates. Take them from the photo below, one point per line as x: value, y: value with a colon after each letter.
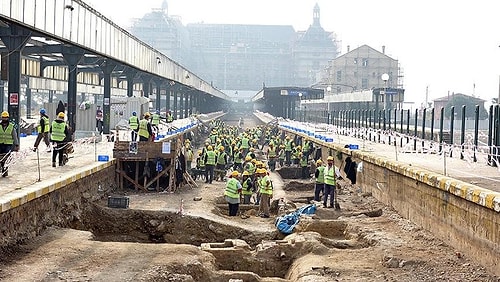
x: 287, y: 222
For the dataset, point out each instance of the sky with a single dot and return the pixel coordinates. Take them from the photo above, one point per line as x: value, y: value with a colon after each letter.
x: 443, y: 46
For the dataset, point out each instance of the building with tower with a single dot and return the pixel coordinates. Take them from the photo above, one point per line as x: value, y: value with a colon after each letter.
x: 235, y: 57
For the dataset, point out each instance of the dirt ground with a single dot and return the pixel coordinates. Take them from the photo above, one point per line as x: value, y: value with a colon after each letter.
x: 159, y: 237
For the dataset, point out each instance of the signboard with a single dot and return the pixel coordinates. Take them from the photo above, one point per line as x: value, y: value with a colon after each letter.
x: 165, y: 148
x: 14, y: 99
x: 297, y: 93
x: 284, y: 92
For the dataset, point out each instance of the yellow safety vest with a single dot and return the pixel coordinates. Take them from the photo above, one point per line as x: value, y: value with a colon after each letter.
x: 330, y: 176
x: 210, y: 158
x: 46, y: 125
x: 143, y: 128
x: 264, y: 187
x: 58, y: 131
x: 156, y: 119
x: 246, y: 190
x: 232, y: 189
x: 133, y: 121
x: 6, y: 135
x: 321, y: 175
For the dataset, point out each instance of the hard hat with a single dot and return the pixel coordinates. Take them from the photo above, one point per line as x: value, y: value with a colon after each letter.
x: 246, y: 173
x: 288, y: 137
x: 5, y: 114
x: 210, y: 148
x: 235, y: 173
x: 254, y: 161
x: 60, y: 115
x: 259, y: 163
x: 248, y: 158
x: 42, y: 111
x: 318, y: 162
x: 261, y: 171
x: 147, y: 115
x: 187, y: 141
x: 134, y: 113
x: 221, y: 148
x: 199, y: 152
x: 330, y: 158
x: 252, y: 149
x: 157, y: 112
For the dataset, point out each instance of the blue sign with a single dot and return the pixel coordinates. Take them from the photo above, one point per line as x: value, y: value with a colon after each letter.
x: 296, y: 93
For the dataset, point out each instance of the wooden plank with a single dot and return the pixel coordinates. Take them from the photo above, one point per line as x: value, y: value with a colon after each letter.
x: 137, y: 185
x: 154, y: 149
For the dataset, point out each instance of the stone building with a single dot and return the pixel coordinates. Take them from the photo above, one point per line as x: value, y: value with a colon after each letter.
x: 238, y: 56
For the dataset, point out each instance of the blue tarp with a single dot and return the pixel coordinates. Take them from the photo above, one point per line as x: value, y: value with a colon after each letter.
x: 287, y: 222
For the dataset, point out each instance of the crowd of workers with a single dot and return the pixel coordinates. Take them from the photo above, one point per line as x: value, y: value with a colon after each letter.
x: 248, y: 156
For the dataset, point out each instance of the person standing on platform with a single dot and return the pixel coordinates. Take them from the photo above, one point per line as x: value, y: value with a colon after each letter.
x: 8, y: 141
x: 145, y: 131
x: 232, y: 193
x: 59, y: 133
x: 43, y: 129
x: 155, y: 122
x: 133, y: 122
x: 99, y: 120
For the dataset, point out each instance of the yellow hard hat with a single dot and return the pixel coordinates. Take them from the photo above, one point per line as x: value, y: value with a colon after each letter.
x: 210, y: 148
x: 261, y: 171
x: 221, y: 148
x: 330, y: 158
x: 235, y: 173
x: 199, y: 152
x: 248, y: 158
x: 60, y: 115
x: 246, y: 173
x: 5, y: 114
x: 318, y: 162
x: 254, y: 161
x: 147, y: 115
x: 252, y: 149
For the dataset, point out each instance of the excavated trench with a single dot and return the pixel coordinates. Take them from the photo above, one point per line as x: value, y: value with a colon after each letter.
x: 247, y: 252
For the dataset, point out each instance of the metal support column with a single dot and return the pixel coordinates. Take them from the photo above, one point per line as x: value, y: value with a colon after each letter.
x: 186, y: 104
x: 174, y: 110
x: 158, y: 83
x: 130, y: 82
x: 72, y: 56
x: 107, y: 68
x: 14, y: 38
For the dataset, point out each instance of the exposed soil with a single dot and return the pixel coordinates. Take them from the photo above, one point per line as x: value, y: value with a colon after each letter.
x: 180, y: 237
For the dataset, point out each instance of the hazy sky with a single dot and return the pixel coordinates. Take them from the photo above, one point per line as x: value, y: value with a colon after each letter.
x: 447, y: 45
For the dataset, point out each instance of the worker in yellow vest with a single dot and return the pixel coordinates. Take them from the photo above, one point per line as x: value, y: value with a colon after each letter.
x: 266, y: 192
x: 133, y: 122
x: 8, y: 142
x: 232, y: 193
x: 248, y: 188
x: 59, y: 132
x: 145, y: 131
x: 330, y: 182
x: 43, y: 129
x: 210, y: 157
x: 319, y: 174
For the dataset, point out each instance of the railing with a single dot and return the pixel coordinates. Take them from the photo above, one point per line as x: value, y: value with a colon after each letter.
x: 422, y: 128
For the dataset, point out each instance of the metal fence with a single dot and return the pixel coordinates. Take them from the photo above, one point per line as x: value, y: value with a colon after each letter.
x: 426, y: 128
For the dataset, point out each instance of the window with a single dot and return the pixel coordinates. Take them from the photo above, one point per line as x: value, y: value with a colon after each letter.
x: 355, y: 61
x: 339, y: 76
x: 365, y: 62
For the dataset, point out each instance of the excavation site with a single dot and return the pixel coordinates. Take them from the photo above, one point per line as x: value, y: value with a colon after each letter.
x: 125, y: 233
